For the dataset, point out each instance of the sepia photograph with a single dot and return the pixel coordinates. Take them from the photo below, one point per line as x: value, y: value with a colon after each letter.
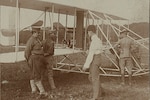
x: 74, y: 50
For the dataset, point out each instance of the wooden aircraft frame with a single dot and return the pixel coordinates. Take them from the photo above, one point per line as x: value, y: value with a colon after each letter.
x: 45, y: 6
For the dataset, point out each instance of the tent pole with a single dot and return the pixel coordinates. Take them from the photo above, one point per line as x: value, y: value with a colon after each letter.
x: 17, y: 29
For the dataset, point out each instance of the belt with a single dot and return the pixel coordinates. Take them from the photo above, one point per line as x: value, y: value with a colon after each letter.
x: 36, y: 54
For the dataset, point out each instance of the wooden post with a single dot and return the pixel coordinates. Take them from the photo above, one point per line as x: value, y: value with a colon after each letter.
x: 74, y: 29
x: 79, y: 29
x: 17, y: 29
x: 50, y: 20
x: 66, y: 26
x: 44, y: 29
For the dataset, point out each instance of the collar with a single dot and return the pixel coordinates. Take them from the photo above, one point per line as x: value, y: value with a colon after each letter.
x: 93, y: 36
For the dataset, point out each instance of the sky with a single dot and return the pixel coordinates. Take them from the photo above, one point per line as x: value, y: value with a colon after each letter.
x: 134, y: 10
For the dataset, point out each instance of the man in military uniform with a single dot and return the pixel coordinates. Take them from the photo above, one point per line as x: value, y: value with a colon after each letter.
x: 48, y: 48
x: 126, y: 46
x: 34, y: 57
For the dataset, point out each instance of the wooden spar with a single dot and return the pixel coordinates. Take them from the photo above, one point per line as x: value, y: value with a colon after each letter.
x: 132, y: 56
x: 128, y: 24
x: 128, y: 29
x: 92, y: 21
x: 66, y: 25
x: 86, y: 21
x: 111, y: 26
x: 74, y: 29
x: 97, y: 27
x: 0, y: 17
x: 52, y: 17
x: 133, y: 39
x: 128, y: 36
x: 104, y: 34
x: 107, y: 35
x: 102, y: 29
x: 58, y: 26
x: 119, y: 29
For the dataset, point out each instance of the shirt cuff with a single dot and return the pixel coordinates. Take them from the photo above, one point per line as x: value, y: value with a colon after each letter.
x: 86, y: 65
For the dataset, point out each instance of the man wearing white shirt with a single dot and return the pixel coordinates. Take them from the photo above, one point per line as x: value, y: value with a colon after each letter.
x: 93, y: 61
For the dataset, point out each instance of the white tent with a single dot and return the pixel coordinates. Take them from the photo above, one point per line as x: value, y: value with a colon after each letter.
x: 7, y: 39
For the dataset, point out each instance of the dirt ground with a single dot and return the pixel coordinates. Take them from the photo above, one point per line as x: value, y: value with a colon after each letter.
x: 70, y: 86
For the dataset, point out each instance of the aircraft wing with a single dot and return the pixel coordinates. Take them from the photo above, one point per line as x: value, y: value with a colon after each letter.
x: 45, y: 4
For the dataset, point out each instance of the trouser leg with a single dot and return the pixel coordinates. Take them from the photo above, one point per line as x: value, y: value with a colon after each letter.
x: 50, y: 72
x: 51, y: 80
x: 33, y: 86
x: 129, y: 65
x: 96, y: 88
x: 95, y: 79
x: 122, y: 68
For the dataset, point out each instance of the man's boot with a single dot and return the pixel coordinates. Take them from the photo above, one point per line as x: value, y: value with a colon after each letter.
x: 122, y: 79
x: 43, y: 94
x: 130, y: 79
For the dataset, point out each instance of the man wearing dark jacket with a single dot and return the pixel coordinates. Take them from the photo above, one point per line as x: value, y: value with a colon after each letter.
x: 48, y: 48
x: 126, y: 47
x: 34, y: 57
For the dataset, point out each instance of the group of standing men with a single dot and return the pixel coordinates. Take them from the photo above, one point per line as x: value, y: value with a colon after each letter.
x: 38, y: 54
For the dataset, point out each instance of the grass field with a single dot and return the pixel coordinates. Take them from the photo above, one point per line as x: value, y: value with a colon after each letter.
x: 70, y: 86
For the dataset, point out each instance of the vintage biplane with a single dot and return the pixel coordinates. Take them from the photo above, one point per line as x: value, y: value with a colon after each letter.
x: 81, y: 18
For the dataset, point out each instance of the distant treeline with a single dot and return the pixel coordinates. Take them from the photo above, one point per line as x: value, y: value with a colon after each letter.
x: 141, y: 29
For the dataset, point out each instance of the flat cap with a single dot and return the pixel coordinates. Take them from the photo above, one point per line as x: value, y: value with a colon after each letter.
x: 36, y: 28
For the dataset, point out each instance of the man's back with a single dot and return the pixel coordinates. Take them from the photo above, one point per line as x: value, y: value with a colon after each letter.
x: 125, y: 46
